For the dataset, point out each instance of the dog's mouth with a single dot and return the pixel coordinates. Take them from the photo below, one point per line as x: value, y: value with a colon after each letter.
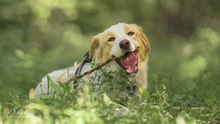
x: 129, y: 63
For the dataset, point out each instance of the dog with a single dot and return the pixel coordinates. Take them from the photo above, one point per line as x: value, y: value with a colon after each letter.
x: 126, y: 42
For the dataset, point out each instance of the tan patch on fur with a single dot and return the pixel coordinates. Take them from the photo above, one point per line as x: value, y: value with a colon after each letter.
x: 100, y: 46
x: 106, y: 46
x: 94, y: 46
x: 110, y: 34
x: 100, y: 55
x: 127, y: 28
x: 144, y: 41
x: 141, y: 39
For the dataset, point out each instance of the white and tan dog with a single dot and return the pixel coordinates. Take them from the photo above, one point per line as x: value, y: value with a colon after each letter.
x: 124, y: 41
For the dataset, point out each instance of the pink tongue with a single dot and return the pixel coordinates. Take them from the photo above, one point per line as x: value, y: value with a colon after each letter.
x: 129, y: 61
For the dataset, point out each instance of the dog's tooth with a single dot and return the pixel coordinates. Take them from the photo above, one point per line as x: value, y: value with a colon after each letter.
x: 136, y: 68
x: 127, y: 70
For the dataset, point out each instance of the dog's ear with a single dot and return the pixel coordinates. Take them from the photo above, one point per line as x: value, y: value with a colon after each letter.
x: 94, y: 46
x: 144, y: 40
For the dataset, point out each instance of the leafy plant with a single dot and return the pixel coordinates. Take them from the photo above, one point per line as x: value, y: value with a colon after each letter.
x: 84, y: 105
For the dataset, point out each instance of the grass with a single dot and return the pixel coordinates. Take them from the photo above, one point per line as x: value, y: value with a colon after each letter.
x: 195, y: 101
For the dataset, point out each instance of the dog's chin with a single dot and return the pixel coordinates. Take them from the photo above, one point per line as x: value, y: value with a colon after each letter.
x: 132, y: 74
x: 129, y: 63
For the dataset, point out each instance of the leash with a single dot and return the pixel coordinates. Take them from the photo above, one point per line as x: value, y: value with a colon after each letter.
x: 79, y: 69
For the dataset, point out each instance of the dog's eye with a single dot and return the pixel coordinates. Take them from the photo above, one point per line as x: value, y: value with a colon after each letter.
x: 111, y: 39
x: 130, y: 33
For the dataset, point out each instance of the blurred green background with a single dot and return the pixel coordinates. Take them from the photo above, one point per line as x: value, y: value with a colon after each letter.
x: 39, y: 36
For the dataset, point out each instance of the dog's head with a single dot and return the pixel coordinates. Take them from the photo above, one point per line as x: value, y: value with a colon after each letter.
x: 124, y: 41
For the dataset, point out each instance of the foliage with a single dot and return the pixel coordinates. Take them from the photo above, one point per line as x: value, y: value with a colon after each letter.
x: 83, y: 105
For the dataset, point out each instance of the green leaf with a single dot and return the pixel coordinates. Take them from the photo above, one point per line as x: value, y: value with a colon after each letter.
x: 144, y: 93
x: 164, y: 87
x: 55, y: 87
x: 154, y: 94
x: 177, y: 97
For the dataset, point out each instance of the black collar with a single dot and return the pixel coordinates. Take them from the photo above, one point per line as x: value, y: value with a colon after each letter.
x: 79, y: 69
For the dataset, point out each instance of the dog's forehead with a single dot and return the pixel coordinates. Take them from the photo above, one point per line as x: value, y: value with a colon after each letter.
x: 117, y: 29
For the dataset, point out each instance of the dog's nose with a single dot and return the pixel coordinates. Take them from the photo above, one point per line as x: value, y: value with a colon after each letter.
x: 124, y: 44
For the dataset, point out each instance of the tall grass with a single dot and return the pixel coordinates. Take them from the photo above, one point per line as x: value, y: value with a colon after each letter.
x: 95, y: 105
